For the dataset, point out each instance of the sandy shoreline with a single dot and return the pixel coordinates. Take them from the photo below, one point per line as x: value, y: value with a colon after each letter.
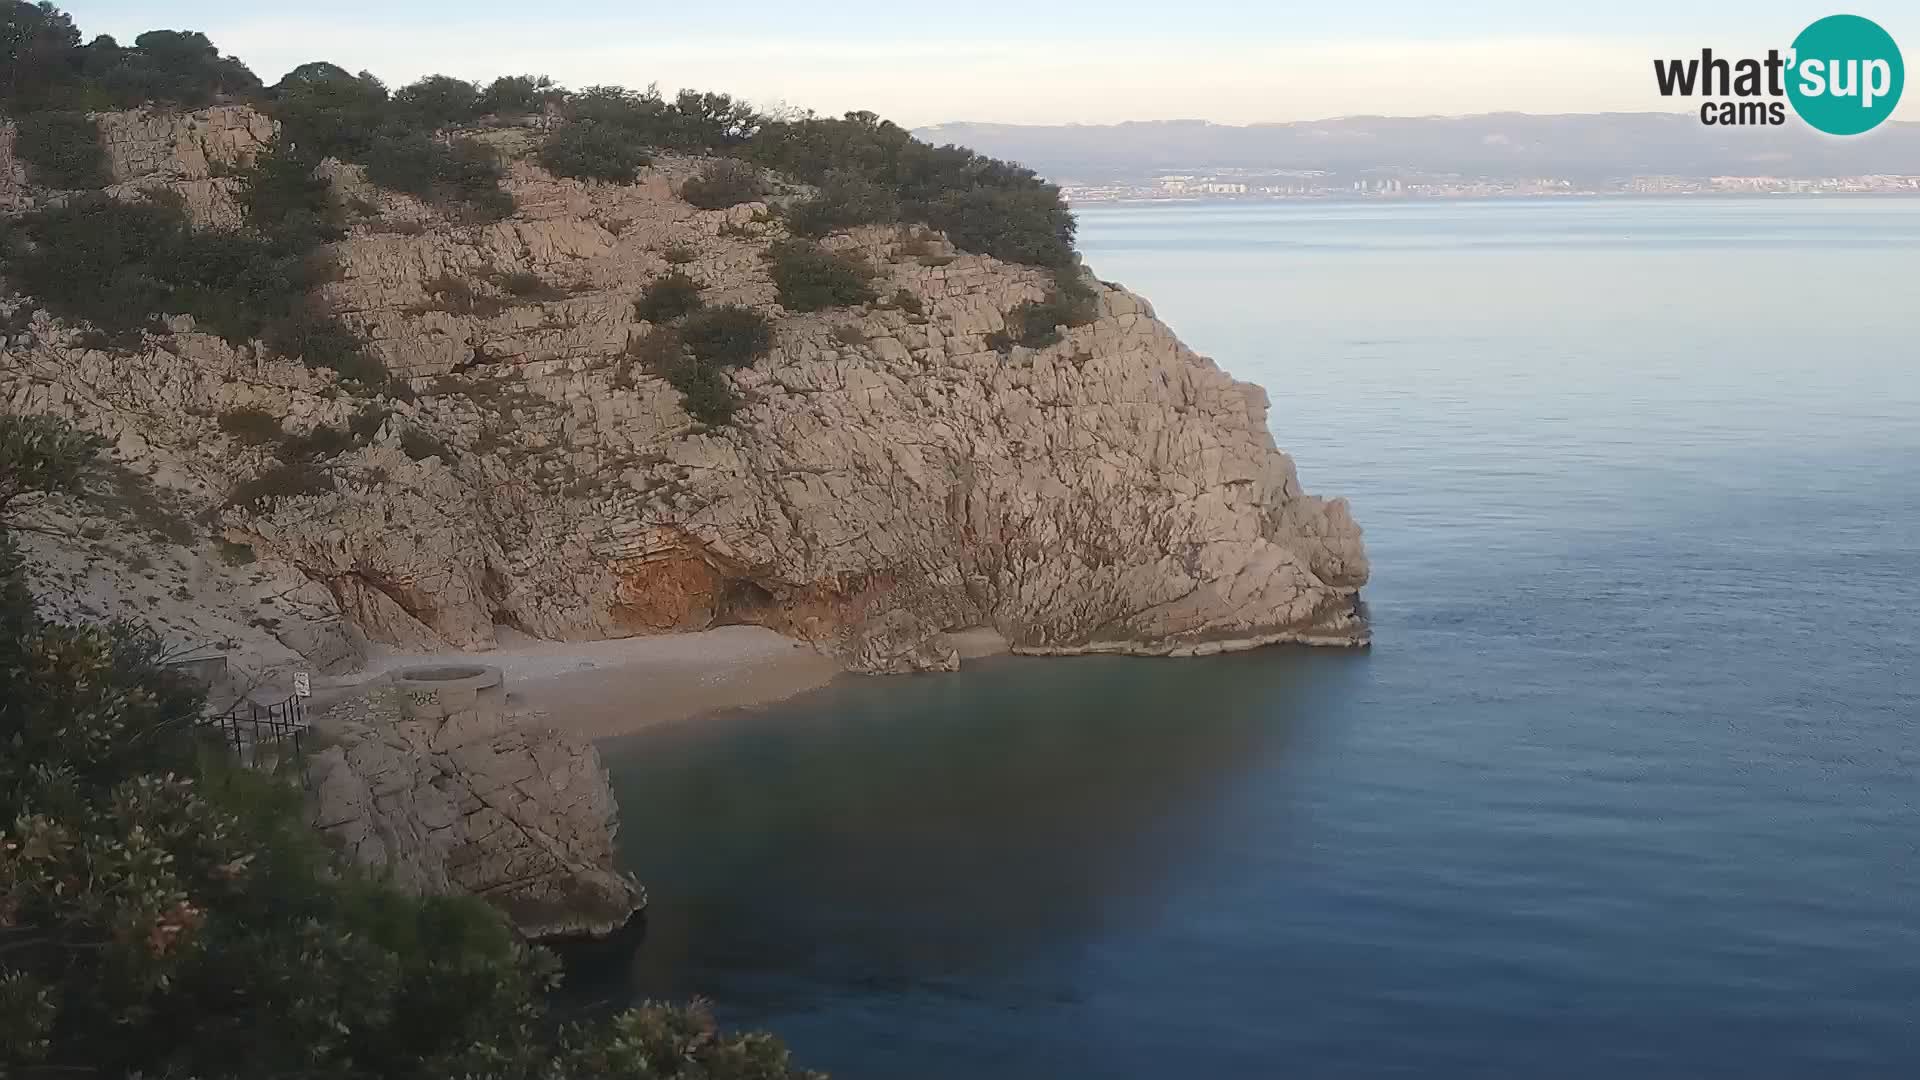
x: 605, y: 689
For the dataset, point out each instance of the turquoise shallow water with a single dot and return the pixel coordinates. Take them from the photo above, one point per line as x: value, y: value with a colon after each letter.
x: 1626, y: 787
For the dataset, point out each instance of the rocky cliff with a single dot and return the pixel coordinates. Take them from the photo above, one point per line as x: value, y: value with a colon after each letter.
x: 443, y: 794
x: 890, y: 477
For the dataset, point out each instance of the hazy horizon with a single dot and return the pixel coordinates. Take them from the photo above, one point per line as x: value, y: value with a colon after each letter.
x: 996, y: 61
x: 1176, y: 120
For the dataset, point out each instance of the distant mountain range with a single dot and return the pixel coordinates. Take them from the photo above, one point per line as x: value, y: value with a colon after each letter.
x: 1582, y: 147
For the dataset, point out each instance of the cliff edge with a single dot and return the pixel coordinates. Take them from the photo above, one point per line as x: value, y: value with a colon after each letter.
x: 889, y: 476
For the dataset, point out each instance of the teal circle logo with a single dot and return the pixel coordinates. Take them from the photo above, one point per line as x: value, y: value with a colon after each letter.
x: 1847, y: 75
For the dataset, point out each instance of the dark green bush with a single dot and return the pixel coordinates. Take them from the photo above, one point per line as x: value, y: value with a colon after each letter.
x: 62, y: 150
x: 437, y: 101
x: 283, y: 198
x: 97, y: 260
x: 1023, y: 225
x: 730, y: 335
x: 722, y: 184
x: 253, y: 426
x: 706, y: 121
x: 414, y: 163
x: 118, y: 264
x: 705, y: 392
x: 985, y: 205
x: 43, y: 61
x: 234, y: 282
x: 694, y: 357
x: 679, y: 255
x: 907, y: 301
x: 516, y: 94
x: 845, y: 200
x: 692, y: 121
x: 285, y: 480
x: 326, y: 112
x: 811, y: 278
x: 45, y: 67
x: 173, y: 67
x: 464, y: 176
x: 593, y: 150
x: 1036, y: 323
x: 667, y: 298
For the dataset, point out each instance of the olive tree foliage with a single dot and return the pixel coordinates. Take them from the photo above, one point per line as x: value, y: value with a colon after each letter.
x: 167, y: 913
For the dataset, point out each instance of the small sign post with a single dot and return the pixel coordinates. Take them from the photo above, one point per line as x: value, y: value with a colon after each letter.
x: 302, y: 685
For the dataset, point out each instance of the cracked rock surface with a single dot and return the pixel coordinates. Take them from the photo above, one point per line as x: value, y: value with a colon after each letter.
x: 890, y: 477
x: 496, y: 806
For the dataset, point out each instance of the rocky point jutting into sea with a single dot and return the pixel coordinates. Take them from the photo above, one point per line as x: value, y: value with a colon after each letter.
x: 890, y: 476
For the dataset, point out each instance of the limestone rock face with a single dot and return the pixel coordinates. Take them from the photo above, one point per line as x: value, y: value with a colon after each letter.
x: 160, y: 144
x: 459, y: 798
x: 890, y: 476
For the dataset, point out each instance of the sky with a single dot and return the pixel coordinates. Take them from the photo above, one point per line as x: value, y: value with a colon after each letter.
x: 1031, y: 61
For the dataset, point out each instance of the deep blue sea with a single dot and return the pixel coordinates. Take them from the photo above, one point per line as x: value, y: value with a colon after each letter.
x: 1628, y: 785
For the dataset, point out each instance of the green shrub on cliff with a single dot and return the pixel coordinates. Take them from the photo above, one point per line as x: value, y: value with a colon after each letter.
x: 844, y: 200
x: 589, y: 150
x: 164, y: 912
x: 1036, y: 323
x: 62, y: 150
x: 173, y: 67
x: 326, y: 112
x: 463, y: 176
x: 1022, y: 225
x: 437, y: 101
x: 722, y: 184
x: 730, y: 335
x: 810, y: 278
x: 516, y: 94
x: 118, y: 264
x: 43, y: 66
x: 695, y: 355
x: 667, y: 298
x: 283, y: 197
x: 986, y: 205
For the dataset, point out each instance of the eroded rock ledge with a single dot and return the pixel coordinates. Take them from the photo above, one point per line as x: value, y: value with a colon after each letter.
x: 446, y: 792
x: 891, y: 475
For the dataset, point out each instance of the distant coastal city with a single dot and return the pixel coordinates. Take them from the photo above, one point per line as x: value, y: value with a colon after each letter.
x: 1317, y: 184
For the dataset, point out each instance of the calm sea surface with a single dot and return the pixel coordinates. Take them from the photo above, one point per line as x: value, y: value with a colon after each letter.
x: 1628, y: 786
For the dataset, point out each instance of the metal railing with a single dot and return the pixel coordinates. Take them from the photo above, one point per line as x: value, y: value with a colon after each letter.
x: 257, y: 732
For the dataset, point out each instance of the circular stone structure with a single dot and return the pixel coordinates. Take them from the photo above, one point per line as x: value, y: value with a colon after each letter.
x: 445, y: 690
x: 447, y: 677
